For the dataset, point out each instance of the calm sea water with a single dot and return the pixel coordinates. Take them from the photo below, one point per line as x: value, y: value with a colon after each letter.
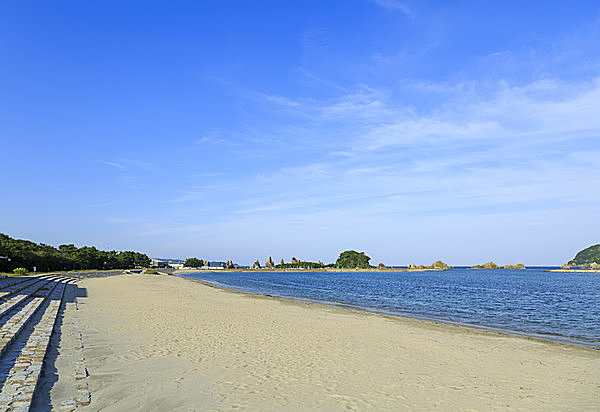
x: 532, y: 301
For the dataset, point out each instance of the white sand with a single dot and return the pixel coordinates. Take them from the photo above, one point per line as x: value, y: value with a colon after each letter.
x: 167, y: 343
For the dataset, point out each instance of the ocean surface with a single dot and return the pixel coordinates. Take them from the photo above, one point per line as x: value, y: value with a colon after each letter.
x: 563, y: 306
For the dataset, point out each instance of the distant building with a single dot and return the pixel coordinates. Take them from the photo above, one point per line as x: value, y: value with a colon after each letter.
x: 159, y: 263
x: 217, y: 264
x: 166, y: 263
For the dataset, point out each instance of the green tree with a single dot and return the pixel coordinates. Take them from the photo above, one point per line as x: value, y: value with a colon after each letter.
x: 126, y: 259
x: 353, y: 259
x: 193, y: 262
x: 142, y: 260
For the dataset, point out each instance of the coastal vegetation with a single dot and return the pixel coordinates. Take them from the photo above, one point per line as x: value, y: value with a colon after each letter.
x: 194, y: 262
x: 302, y: 265
x: 18, y: 253
x: 350, y: 259
x: 587, y: 256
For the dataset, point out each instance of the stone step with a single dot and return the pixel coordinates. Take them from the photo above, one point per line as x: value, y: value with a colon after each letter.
x: 19, y: 387
x: 6, y: 281
x: 23, y: 294
x: 12, y: 280
x: 17, y: 286
x: 13, y: 326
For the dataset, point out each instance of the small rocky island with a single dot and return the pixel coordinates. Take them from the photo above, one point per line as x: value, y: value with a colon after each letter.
x: 492, y: 265
x: 517, y: 266
x: 437, y: 265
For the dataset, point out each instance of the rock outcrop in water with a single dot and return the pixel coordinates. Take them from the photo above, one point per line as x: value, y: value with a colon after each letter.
x: 256, y: 265
x: 517, y: 266
x: 282, y: 262
x: 488, y: 265
x: 439, y: 265
x: 269, y: 263
x: 294, y: 261
x: 381, y: 266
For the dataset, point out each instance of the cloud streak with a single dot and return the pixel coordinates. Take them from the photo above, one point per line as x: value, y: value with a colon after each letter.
x: 504, y: 149
x: 112, y: 164
x: 395, y: 6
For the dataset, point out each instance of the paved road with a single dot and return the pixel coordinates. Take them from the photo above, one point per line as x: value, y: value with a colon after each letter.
x: 96, y: 274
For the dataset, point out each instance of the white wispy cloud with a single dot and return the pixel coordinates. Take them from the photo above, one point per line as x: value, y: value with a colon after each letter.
x: 119, y: 220
x: 484, y: 155
x: 283, y: 101
x: 320, y: 80
x: 209, y: 140
x: 112, y: 164
x: 128, y: 163
x: 500, y: 148
x: 364, y: 103
x: 394, y: 5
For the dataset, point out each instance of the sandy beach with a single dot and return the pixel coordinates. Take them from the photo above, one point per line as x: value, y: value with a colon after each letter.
x: 158, y: 343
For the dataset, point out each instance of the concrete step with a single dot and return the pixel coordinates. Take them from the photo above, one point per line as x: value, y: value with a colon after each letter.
x: 23, y: 294
x: 6, y: 281
x: 14, y: 287
x: 13, y: 326
x: 19, y: 387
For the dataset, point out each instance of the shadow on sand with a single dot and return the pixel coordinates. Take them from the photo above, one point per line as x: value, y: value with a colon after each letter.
x: 49, y: 377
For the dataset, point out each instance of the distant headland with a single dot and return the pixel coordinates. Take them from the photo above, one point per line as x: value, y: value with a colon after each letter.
x: 586, y: 260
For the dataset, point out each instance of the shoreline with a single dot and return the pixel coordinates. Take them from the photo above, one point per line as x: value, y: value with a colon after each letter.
x: 573, y: 270
x: 399, y: 315
x: 294, y: 270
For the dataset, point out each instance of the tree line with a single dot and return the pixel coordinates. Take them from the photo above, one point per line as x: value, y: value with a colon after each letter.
x: 15, y: 253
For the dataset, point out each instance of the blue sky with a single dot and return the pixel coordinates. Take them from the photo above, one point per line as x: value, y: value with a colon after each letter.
x: 465, y: 131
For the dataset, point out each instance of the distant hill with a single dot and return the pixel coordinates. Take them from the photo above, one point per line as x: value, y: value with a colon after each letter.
x: 587, y: 256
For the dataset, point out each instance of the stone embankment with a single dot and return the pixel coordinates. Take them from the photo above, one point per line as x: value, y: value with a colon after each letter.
x: 29, y: 308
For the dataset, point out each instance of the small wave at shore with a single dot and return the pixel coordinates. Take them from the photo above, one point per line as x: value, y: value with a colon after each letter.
x: 531, y: 302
